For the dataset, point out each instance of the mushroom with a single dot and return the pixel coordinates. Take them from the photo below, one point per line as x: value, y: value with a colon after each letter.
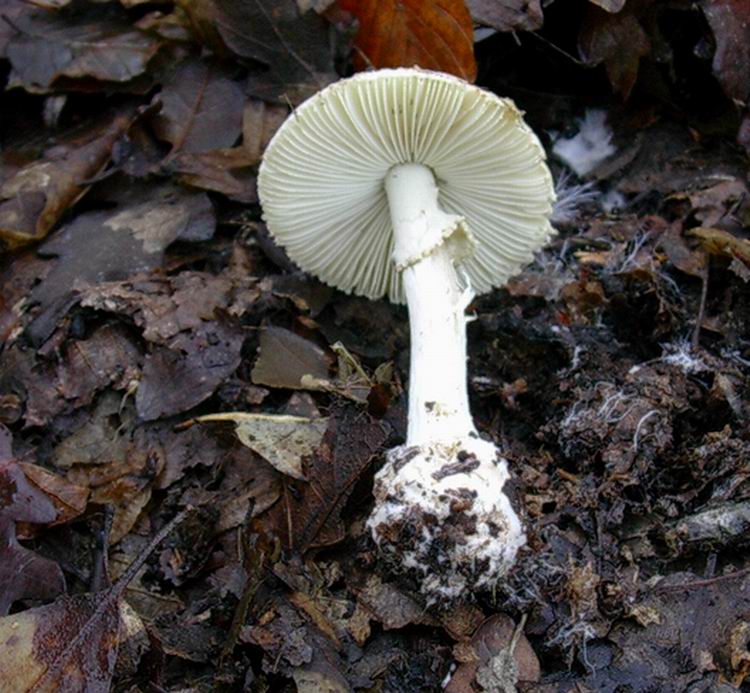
x: 419, y: 186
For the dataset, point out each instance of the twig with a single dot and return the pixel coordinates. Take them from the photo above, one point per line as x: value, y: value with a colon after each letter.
x: 703, y: 583
x: 701, y: 308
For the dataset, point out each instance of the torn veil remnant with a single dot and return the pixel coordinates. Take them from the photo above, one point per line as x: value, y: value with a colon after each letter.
x: 419, y: 186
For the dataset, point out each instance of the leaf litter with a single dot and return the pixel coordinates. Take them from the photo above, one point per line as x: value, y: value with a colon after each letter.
x: 140, y: 292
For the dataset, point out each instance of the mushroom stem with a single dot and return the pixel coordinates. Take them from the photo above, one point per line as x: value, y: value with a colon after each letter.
x: 440, y: 506
x: 428, y: 242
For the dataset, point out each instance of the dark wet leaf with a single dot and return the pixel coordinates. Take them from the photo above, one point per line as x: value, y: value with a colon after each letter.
x: 493, y: 644
x: 201, y: 108
x: 680, y: 254
x: 507, y: 15
x: 37, y: 195
x: 10, y: 12
x: 225, y: 171
x: 308, y: 513
x: 616, y: 40
x: 610, y: 5
x: 230, y: 171
x: 730, y: 23
x: 286, y: 359
x: 296, y: 48
x: 72, y: 644
x: 680, y: 638
x: 180, y: 375
x: 107, y: 357
x: 20, y: 501
x: 433, y: 34
x: 250, y: 487
x: 69, y: 499
x: 164, y: 307
x: 51, y: 45
x: 108, y: 245
x: 23, y: 574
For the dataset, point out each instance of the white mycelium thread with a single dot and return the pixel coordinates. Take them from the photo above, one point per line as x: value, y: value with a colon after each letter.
x: 321, y: 183
x: 381, y: 184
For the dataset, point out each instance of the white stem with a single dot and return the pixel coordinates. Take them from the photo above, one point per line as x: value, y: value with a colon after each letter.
x: 428, y: 241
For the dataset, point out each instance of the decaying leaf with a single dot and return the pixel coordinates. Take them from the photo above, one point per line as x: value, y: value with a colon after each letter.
x: 224, y: 171
x: 681, y: 255
x: 502, y: 657
x: 507, y: 15
x: 688, y: 618
x: 52, y: 45
x: 391, y: 606
x: 228, y: 170
x: 37, y: 195
x: 188, y: 369
x: 739, y: 656
x: 295, y: 47
x: 308, y: 513
x: 165, y: 307
x: 722, y: 243
x: 616, y: 40
x: 433, y: 34
x: 69, y: 499
x: 730, y: 23
x: 69, y: 645
x: 73, y: 643
x: 250, y: 487
x: 613, y: 6
x: 108, y: 245
x: 283, y: 441
x: 23, y: 574
x: 201, y: 108
x: 10, y: 11
x: 285, y: 358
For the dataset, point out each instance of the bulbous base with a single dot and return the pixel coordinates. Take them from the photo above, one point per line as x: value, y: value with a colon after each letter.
x: 441, y: 513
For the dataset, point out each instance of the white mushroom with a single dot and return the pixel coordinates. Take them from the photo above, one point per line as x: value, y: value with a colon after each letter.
x: 420, y: 186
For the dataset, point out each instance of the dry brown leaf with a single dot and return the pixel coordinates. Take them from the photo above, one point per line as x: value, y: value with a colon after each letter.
x: 433, y: 34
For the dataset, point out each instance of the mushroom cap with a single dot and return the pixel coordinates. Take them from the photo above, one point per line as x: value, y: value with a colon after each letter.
x: 321, y: 182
